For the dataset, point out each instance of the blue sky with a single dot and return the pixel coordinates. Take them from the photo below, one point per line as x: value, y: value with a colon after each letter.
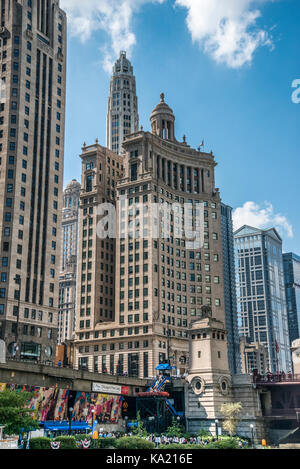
x: 229, y: 85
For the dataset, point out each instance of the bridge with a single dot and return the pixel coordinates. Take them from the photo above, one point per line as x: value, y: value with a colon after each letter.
x: 280, y: 402
x: 41, y: 375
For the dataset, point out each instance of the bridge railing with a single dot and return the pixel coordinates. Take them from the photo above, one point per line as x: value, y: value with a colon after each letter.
x: 276, y: 378
x: 283, y: 413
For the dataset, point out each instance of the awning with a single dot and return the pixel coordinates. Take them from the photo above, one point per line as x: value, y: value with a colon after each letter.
x: 65, y: 426
x: 165, y: 366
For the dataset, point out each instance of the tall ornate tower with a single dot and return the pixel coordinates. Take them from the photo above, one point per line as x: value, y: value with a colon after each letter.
x: 122, y: 115
x: 67, y: 279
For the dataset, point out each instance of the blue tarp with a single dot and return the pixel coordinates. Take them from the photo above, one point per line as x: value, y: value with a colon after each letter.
x: 165, y: 366
x: 64, y: 426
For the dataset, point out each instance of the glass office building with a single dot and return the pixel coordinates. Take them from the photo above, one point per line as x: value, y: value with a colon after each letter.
x: 291, y: 265
x: 261, y: 293
x: 230, y: 300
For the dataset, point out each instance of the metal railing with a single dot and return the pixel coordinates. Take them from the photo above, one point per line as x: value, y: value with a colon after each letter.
x: 276, y: 378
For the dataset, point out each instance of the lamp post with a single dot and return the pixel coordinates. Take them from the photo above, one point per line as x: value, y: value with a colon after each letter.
x: 252, y: 434
x: 93, y: 413
x: 217, y: 428
x: 70, y: 419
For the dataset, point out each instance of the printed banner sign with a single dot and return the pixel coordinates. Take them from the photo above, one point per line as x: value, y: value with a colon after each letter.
x: 107, y: 388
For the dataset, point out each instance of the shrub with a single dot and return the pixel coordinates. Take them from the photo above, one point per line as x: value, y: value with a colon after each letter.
x: 224, y: 444
x: 104, y: 443
x: 180, y: 447
x: 39, y: 443
x: 82, y: 437
x: 134, y: 443
x: 67, y: 442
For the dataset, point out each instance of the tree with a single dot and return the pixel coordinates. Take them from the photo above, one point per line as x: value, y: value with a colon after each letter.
x: 15, y: 417
x: 140, y: 429
x: 175, y: 430
x: 231, y: 413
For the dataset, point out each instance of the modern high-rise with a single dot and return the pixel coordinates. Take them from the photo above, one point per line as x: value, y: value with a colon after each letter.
x: 32, y: 122
x: 261, y: 293
x: 291, y: 265
x: 122, y: 114
x: 229, y: 278
x: 164, y: 277
x: 67, y: 278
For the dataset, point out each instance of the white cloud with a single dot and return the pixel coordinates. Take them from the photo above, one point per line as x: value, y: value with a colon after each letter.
x: 114, y: 17
x: 226, y: 29
x: 261, y: 216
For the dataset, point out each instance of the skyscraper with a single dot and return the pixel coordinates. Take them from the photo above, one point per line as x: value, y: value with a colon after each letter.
x: 230, y: 305
x: 68, y: 271
x: 162, y: 280
x: 101, y: 169
x: 122, y: 114
x: 261, y: 293
x: 32, y: 121
x: 291, y: 265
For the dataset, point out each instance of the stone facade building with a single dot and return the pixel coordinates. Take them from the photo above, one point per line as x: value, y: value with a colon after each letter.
x: 68, y: 273
x: 122, y: 113
x: 254, y: 356
x: 162, y: 278
x: 210, y: 384
x: 32, y: 122
x: 101, y: 169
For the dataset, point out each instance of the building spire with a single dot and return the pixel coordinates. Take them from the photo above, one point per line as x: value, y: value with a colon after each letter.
x: 122, y: 114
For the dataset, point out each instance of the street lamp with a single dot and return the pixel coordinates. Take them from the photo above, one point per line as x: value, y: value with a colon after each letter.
x: 252, y: 434
x: 217, y: 428
x: 70, y: 420
x: 93, y: 413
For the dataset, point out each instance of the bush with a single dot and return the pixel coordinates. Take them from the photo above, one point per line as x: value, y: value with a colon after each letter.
x: 134, y: 443
x: 104, y: 443
x: 39, y: 443
x: 180, y: 447
x: 82, y: 437
x: 67, y: 442
x: 224, y: 444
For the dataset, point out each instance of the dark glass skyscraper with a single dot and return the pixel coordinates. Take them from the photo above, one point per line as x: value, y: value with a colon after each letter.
x: 230, y: 305
x: 291, y: 265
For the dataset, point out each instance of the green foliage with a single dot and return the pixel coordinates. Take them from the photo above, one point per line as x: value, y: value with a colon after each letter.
x: 180, y: 447
x: 175, y: 430
x: 67, y: 442
x: 82, y: 437
x: 39, y: 443
x: 204, y: 433
x: 104, y: 443
x: 229, y: 443
x: 231, y: 413
x: 134, y: 443
x: 140, y: 430
x: 13, y: 413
